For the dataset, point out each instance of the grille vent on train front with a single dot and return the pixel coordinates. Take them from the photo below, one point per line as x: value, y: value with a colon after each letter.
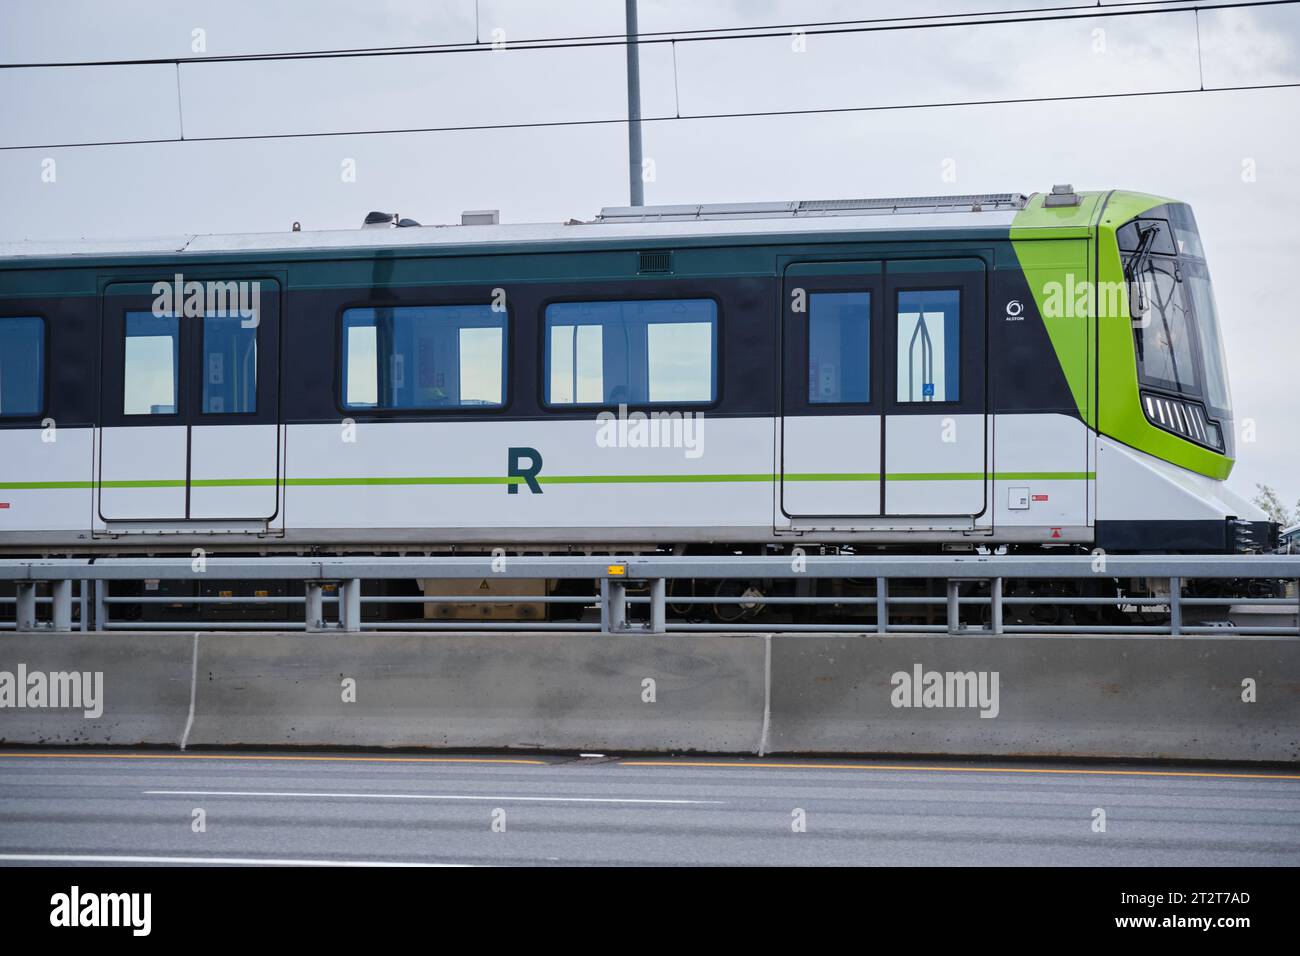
x: 655, y: 263
x: 1184, y: 418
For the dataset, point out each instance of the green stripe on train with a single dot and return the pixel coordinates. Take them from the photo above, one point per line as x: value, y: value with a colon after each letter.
x: 552, y: 480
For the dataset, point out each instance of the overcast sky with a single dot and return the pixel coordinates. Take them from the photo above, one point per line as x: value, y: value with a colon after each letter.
x: 1232, y: 155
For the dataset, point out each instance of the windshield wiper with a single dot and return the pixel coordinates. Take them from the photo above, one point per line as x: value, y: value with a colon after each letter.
x: 1137, y: 264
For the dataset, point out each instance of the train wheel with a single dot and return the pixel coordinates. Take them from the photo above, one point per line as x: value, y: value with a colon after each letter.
x: 749, y: 609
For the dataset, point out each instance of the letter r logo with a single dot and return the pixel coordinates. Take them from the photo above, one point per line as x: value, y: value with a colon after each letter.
x: 514, y: 469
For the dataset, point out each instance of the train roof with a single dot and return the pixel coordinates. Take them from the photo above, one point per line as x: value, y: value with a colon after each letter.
x: 985, y: 215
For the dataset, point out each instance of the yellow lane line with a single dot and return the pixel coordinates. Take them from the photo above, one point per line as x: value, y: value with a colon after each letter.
x: 769, y: 765
x: 863, y: 766
x: 511, y: 760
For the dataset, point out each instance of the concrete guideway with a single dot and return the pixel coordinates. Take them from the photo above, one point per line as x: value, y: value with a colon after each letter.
x: 1190, y: 698
x: 82, y: 808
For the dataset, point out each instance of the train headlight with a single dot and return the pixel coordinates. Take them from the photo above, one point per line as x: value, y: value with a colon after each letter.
x: 1184, y: 418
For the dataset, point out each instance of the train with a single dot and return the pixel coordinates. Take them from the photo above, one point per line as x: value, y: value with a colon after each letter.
x: 940, y: 373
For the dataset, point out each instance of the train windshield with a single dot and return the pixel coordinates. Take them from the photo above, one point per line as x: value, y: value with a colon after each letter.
x: 1176, y: 331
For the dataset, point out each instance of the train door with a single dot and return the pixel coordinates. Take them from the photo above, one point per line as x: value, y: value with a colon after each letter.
x: 935, y: 449
x: 831, y: 391
x: 189, y: 405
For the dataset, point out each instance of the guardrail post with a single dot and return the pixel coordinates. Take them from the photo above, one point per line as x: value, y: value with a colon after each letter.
x: 101, y: 606
x: 61, y: 612
x: 604, y: 606
x: 658, y: 605
x: 995, y: 606
x: 954, y: 607
x: 882, y: 605
x: 350, y: 605
x: 83, y: 601
x: 25, y: 607
x: 315, y: 608
x: 613, y: 606
x: 1175, y: 606
x: 617, y: 606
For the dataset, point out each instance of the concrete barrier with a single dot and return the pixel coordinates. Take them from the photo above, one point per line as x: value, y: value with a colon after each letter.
x: 145, y: 688
x: 532, y: 691
x: 1059, y: 695
x: 537, y: 691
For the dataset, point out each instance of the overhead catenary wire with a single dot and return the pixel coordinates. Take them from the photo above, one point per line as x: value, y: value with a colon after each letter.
x: 748, y: 114
x: 1168, y: 8
x: 723, y: 33
x: 832, y: 27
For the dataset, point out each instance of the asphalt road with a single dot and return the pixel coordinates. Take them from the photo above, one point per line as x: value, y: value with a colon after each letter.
x: 492, y: 809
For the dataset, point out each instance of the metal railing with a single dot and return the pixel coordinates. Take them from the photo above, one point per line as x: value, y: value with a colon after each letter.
x: 634, y: 595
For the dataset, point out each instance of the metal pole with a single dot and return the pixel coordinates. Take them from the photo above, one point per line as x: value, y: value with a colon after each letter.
x: 617, y: 606
x: 658, y: 605
x: 1175, y: 606
x: 995, y: 614
x: 604, y: 606
x: 25, y: 610
x: 101, y: 606
x: 636, y: 187
x: 84, y: 599
x: 61, y: 612
x: 954, y: 607
x: 613, y: 606
x: 350, y: 613
x: 882, y: 605
x: 315, y: 610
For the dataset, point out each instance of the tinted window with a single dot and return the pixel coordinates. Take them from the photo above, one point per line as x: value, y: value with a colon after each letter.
x: 151, y: 369
x: 636, y: 353
x: 1129, y: 236
x: 229, y: 366
x: 1163, y: 338
x: 839, y: 347
x: 22, y: 366
x: 929, y: 346
x: 1186, y: 236
x: 424, y: 357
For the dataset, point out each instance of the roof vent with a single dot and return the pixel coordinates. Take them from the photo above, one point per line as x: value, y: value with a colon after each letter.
x: 481, y: 217
x: 655, y: 263
x: 1061, y: 195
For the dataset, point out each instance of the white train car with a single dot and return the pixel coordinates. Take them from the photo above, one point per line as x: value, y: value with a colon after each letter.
x: 906, y: 373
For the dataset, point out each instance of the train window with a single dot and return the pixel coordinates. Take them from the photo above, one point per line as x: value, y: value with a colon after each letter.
x: 929, y: 346
x: 424, y: 357
x: 1163, y: 340
x: 577, y: 364
x: 22, y: 366
x: 650, y: 352
x: 839, y: 348
x: 229, y: 366
x: 151, y: 369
